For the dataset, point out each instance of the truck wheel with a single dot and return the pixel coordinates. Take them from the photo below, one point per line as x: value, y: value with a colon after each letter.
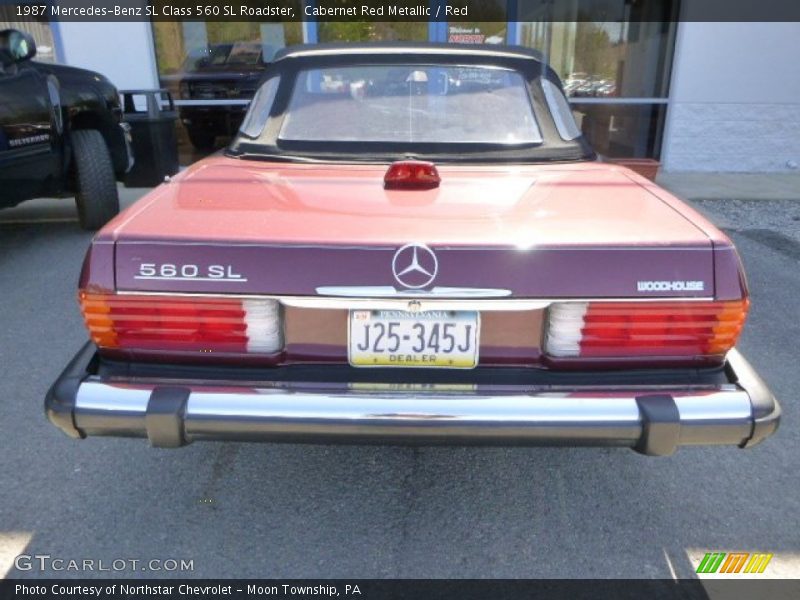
x: 201, y: 139
x: 97, y: 197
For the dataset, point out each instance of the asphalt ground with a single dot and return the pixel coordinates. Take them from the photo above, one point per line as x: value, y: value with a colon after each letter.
x: 263, y: 510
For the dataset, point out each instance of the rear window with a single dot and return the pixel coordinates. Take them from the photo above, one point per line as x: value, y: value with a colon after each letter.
x: 411, y: 104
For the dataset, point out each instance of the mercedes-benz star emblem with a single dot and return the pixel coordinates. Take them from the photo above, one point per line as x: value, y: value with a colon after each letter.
x: 415, y: 266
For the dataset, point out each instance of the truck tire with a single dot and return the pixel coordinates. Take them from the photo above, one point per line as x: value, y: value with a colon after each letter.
x: 201, y: 139
x: 97, y: 197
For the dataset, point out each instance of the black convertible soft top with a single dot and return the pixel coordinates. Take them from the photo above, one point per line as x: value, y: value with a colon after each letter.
x: 290, y: 61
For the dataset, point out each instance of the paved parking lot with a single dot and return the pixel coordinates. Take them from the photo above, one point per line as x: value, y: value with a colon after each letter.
x: 319, y: 511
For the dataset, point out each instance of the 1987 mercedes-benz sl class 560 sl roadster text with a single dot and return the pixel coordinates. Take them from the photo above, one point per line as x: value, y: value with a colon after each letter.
x: 413, y: 243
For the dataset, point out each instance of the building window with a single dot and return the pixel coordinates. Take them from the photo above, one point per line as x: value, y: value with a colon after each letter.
x: 622, y: 130
x: 212, y: 70
x: 614, y: 57
x: 362, y: 31
x: 608, y: 59
x: 483, y: 32
x: 615, y: 60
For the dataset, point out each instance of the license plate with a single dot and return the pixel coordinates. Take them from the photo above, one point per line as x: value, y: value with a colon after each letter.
x: 390, y: 338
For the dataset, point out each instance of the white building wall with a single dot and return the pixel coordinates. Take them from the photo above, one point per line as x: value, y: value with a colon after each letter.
x: 734, y: 98
x: 122, y: 51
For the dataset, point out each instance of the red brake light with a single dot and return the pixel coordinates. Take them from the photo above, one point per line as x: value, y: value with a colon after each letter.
x: 187, y: 324
x: 674, y: 329
x: 411, y: 174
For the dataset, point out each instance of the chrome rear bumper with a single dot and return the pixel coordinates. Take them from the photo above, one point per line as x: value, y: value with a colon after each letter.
x: 653, y: 420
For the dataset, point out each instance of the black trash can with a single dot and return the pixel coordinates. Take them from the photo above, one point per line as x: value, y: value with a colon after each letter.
x: 151, y: 115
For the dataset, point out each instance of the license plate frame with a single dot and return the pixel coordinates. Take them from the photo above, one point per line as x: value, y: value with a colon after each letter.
x: 468, y: 359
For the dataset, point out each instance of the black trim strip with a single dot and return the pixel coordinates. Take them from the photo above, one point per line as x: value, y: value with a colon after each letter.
x: 59, y: 403
x: 341, y: 373
x: 660, y: 425
x: 164, y: 416
x: 766, y: 410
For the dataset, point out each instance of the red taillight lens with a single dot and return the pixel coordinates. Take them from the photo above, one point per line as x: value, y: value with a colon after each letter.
x: 644, y: 329
x: 200, y: 324
x: 411, y: 174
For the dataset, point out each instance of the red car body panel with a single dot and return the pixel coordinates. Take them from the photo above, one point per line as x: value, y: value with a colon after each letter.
x: 547, y: 231
x: 229, y: 200
x: 564, y: 230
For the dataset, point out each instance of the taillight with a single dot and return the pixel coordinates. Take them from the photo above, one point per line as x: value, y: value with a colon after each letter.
x: 411, y: 174
x: 190, y: 324
x: 676, y: 329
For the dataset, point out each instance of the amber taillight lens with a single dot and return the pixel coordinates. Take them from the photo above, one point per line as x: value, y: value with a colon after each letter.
x: 183, y: 323
x: 681, y: 329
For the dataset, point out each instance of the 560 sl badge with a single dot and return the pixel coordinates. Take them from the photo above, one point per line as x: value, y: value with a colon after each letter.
x: 175, y: 272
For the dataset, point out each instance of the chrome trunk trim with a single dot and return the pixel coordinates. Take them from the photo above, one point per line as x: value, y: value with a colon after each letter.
x: 387, y: 291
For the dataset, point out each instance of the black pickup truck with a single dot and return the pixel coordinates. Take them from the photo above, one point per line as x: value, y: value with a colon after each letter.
x: 61, y: 133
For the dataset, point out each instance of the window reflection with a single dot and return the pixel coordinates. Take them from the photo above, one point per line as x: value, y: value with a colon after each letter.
x: 622, y: 130
x: 362, y: 31
x: 606, y: 51
x: 215, y: 68
x: 619, y: 48
x: 482, y: 32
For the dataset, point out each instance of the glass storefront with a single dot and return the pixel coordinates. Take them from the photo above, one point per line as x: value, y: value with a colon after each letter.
x: 372, y: 32
x: 606, y: 59
x: 212, y: 70
x: 614, y: 58
x: 622, y: 130
x: 615, y: 63
x: 483, y: 32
